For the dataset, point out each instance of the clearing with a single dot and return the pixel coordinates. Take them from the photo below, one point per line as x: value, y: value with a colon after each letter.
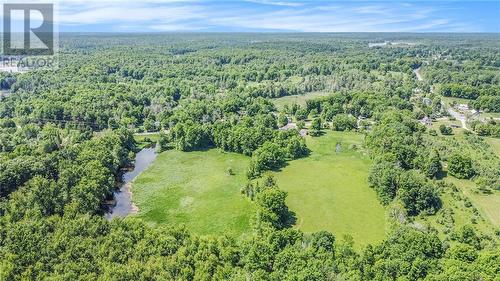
x: 195, y: 189
x: 495, y: 145
x: 329, y: 190
x: 298, y: 99
x: 486, y: 203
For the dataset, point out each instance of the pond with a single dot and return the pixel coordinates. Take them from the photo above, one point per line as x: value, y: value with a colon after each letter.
x: 123, y: 205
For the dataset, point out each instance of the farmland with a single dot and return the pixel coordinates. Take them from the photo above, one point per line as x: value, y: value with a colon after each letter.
x: 196, y: 190
x: 329, y: 189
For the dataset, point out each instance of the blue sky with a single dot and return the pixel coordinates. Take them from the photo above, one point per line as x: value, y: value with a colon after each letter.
x: 279, y: 15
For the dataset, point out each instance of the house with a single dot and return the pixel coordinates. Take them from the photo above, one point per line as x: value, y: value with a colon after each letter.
x: 426, y: 101
x: 426, y: 121
x: 289, y: 126
x: 462, y: 107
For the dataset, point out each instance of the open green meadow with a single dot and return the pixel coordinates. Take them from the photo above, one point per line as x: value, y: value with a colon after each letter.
x: 329, y: 190
x: 450, y: 123
x: 298, y: 99
x: 195, y: 189
x: 456, y: 212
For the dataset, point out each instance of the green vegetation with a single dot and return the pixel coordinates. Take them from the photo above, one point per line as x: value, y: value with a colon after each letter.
x: 146, y: 139
x: 495, y: 145
x: 329, y: 190
x: 486, y: 203
x: 460, y: 166
x: 67, y: 135
x: 300, y: 100
x: 195, y: 189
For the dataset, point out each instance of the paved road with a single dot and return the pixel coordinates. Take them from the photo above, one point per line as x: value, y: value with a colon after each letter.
x: 457, y: 115
x: 460, y: 117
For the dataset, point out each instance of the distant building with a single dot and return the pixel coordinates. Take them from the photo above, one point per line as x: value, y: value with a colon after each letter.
x: 289, y: 126
x: 462, y: 107
x: 426, y: 101
x: 426, y: 121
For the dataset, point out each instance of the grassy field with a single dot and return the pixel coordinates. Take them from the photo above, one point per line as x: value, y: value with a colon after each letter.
x: 495, y: 145
x: 298, y: 99
x: 449, y: 123
x: 195, y: 189
x: 449, y: 100
x: 455, y: 212
x: 329, y: 190
x: 488, y: 115
x: 487, y: 204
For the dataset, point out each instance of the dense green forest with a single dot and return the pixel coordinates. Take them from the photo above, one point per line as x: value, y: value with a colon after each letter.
x: 67, y: 134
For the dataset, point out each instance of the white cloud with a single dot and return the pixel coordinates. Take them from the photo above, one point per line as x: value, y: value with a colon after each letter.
x: 132, y: 13
x: 172, y: 15
x: 337, y: 19
x: 276, y: 3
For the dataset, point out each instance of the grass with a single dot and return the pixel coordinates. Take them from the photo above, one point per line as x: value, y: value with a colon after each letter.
x: 487, y: 204
x: 488, y: 115
x: 329, y: 190
x: 298, y: 99
x: 455, y: 212
x: 449, y: 100
x: 456, y: 131
x: 195, y: 189
x: 495, y: 145
x: 467, y: 205
x: 146, y: 140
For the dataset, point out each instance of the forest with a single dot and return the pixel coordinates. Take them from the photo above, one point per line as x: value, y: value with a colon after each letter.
x: 257, y: 109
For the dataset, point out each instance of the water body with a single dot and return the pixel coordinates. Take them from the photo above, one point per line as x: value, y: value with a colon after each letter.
x: 123, y: 197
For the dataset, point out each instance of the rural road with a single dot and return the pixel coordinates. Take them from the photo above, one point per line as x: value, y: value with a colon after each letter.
x: 417, y: 73
x: 460, y: 117
x: 450, y: 110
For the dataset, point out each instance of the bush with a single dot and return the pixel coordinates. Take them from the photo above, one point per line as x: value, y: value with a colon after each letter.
x: 418, y: 194
x: 269, y: 157
x: 315, y: 127
x: 445, y: 130
x: 343, y: 122
x: 460, y: 166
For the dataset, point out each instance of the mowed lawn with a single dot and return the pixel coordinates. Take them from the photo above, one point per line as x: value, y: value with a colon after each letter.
x: 195, y: 189
x: 329, y: 190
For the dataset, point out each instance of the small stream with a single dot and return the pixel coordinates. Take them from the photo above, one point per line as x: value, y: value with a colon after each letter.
x: 123, y: 197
